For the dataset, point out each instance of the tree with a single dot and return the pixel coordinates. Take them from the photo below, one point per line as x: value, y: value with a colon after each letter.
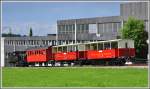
x: 30, y: 34
x: 134, y: 29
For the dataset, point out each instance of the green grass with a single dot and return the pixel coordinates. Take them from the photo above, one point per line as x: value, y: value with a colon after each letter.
x: 75, y: 77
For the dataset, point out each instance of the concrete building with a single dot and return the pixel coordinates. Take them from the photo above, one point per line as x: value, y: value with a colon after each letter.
x: 100, y: 28
x: 138, y: 10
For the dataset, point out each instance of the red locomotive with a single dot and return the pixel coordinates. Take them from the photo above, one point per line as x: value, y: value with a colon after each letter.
x: 113, y: 52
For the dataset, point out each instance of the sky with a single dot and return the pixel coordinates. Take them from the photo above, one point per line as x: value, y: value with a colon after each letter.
x: 42, y: 16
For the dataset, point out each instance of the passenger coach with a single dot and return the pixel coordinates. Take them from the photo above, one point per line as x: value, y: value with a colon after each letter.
x: 113, y: 51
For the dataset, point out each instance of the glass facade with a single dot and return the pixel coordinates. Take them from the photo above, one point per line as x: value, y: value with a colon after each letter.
x: 82, y: 28
x: 108, y: 27
x: 67, y: 29
x: 92, y: 28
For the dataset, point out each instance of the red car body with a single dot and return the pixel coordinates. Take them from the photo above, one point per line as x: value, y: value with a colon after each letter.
x: 39, y: 54
x: 65, y: 56
x: 107, y: 53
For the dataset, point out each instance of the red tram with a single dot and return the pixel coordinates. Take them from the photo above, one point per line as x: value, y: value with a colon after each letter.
x: 107, y: 52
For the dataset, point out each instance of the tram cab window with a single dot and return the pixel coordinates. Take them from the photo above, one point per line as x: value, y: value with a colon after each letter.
x: 93, y: 46
x: 107, y: 45
x: 100, y: 46
x: 114, y: 45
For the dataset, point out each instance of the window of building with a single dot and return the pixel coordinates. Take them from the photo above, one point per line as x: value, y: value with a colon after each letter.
x: 92, y: 28
x: 73, y: 28
x: 107, y: 27
x: 67, y: 28
x: 118, y: 26
x: 100, y: 29
x: 114, y: 27
x: 78, y: 28
x: 104, y: 28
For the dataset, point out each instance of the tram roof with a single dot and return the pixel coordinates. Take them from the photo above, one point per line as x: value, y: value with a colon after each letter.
x: 115, y: 40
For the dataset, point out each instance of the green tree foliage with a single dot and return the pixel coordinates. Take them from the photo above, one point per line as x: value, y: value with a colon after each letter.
x: 134, y: 29
x: 30, y: 34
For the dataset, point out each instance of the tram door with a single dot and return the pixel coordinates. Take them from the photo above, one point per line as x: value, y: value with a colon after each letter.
x: 81, y: 52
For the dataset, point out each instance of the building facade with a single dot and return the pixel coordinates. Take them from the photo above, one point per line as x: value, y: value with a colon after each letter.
x: 100, y: 28
x: 88, y: 29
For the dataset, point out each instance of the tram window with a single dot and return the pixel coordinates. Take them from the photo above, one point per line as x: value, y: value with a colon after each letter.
x: 93, y: 46
x: 107, y: 45
x: 59, y: 49
x: 65, y: 49
x: 54, y: 50
x: 100, y: 46
x: 114, y: 45
x: 87, y: 46
x: 71, y: 48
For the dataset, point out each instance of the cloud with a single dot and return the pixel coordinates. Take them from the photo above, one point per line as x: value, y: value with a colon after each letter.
x: 39, y: 29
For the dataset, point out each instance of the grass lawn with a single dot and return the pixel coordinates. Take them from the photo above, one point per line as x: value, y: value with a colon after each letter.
x: 75, y: 77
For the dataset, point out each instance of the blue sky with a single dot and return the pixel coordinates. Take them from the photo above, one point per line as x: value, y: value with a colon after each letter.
x: 43, y: 16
